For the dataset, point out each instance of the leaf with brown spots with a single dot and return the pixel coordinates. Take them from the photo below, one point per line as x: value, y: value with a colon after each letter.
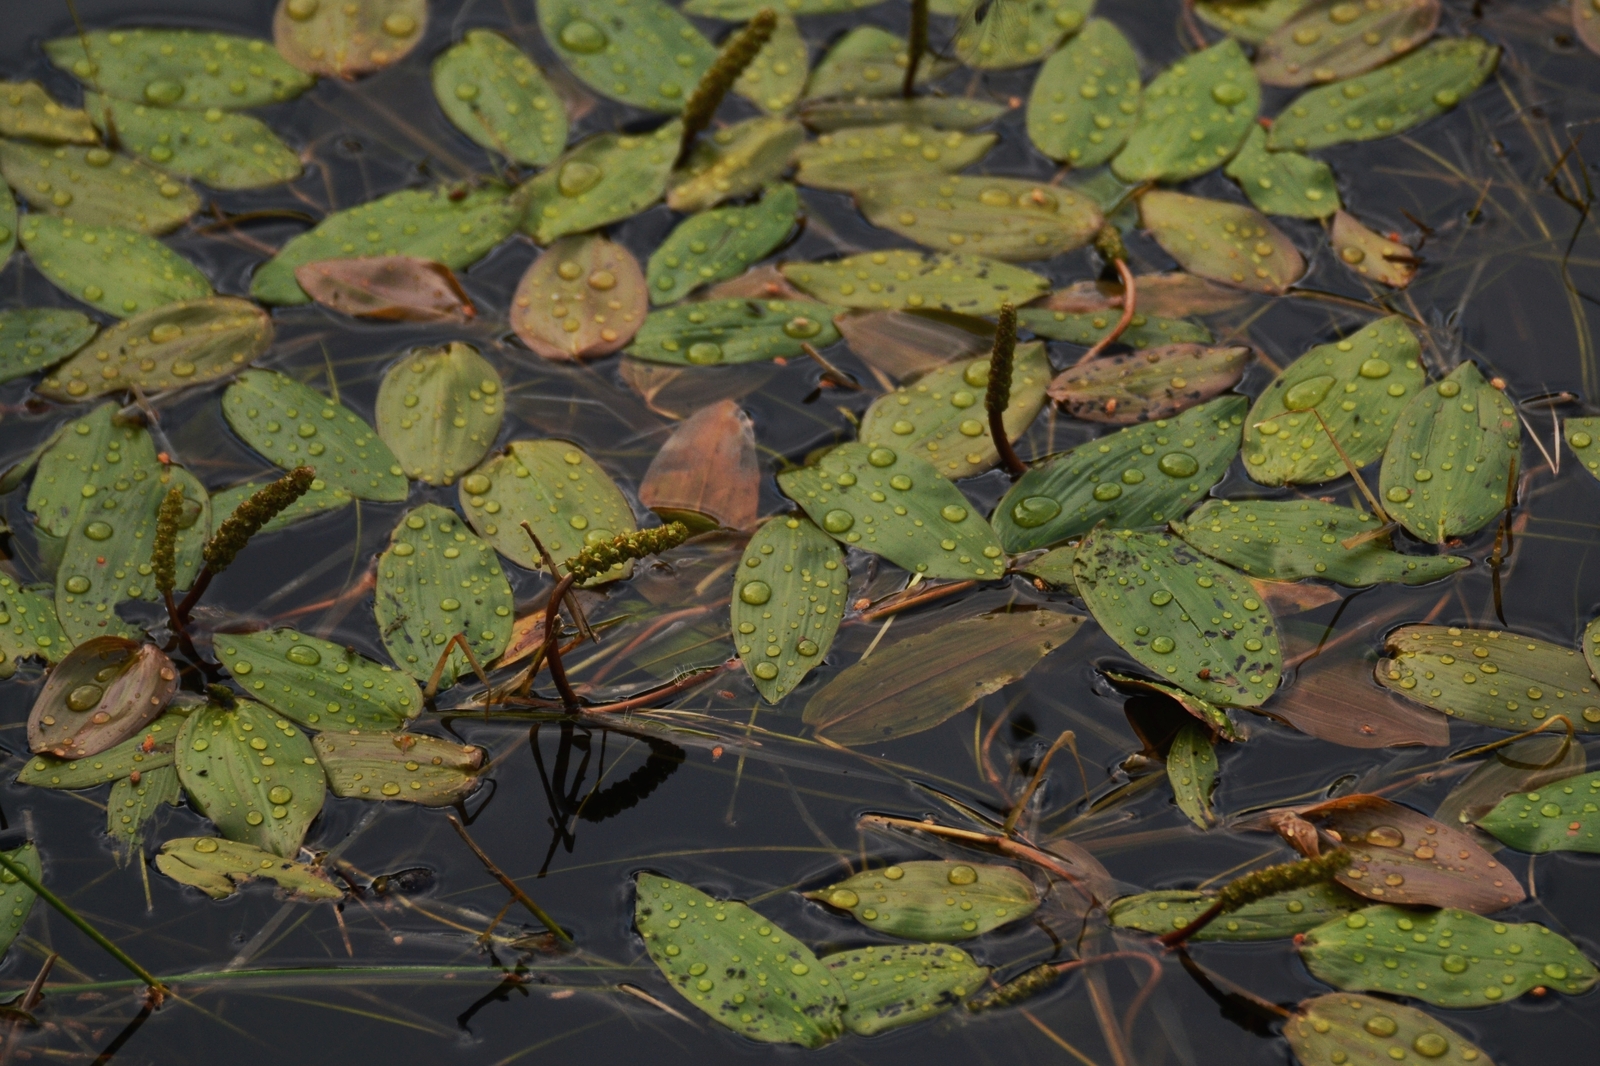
x: 342, y: 39
x: 102, y: 693
x: 583, y: 297
x: 706, y: 474
x: 1154, y: 383
x: 392, y: 288
x: 1370, y: 255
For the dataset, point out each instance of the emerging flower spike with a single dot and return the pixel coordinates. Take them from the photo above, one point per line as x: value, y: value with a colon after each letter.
x: 164, y: 550
x: 247, y: 519
x: 1258, y: 884
x: 598, y: 558
x: 1024, y: 986
x: 737, y: 54
x: 998, y: 395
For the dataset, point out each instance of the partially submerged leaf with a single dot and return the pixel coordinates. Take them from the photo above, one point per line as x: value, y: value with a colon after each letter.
x: 189, y: 69
x: 941, y: 112
x: 31, y: 628
x: 869, y: 61
x: 1085, y: 99
x: 220, y: 148
x: 1174, y: 295
x: 734, y: 161
x: 1581, y: 434
x: 925, y: 680
x: 1224, y: 242
x: 119, y: 271
x: 715, y: 954
x: 1275, y: 917
x: 904, y: 343
x: 1215, y: 719
x: 390, y: 288
x: 495, y: 95
x: 317, y: 683
x: 859, y: 157
x: 1284, y: 183
x: 1087, y: 329
x: 218, y: 867
x: 925, y: 900
x: 1212, y: 94
x: 927, y: 526
x: 439, y: 411
x: 1005, y: 218
x: 96, y: 187
x: 16, y: 898
x: 1158, y: 382
x: 716, y: 245
x: 133, y: 802
x: 1192, y: 772
x: 903, y: 280
x: 32, y: 338
x: 1558, y: 816
x: 343, y: 40
x: 603, y: 179
x: 706, y: 474
x: 104, y: 691
x: 171, y: 347
x: 1523, y: 766
x: 788, y: 600
x: 1365, y: 252
x: 890, y: 985
x: 582, y: 298
x: 642, y: 53
x: 1372, y: 1032
x: 719, y: 332
x: 28, y: 111
x: 409, y: 767
x: 1251, y: 21
x: 1331, y: 39
x: 776, y: 77
x: 150, y: 748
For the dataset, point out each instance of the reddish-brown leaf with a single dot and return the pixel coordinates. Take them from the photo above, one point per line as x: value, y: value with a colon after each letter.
x: 706, y: 474
x: 903, y: 343
x: 1371, y: 255
x: 1175, y: 295
x: 1336, y: 700
x: 395, y: 288
x: 677, y: 392
x: 1154, y: 383
x: 758, y: 283
x: 1294, y: 597
x: 102, y: 693
x: 583, y: 297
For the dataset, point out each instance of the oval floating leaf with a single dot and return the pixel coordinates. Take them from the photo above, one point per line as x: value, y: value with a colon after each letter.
x: 1357, y: 387
x: 1225, y: 242
x: 119, y: 271
x: 409, y: 767
x: 430, y: 224
x: 1283, y: 183
x: 926, y: 680
x: 1360, y: 1029
x: 583, y: 297
x: 788, y: 600
x: 1192, y: 772
x: 1489, y: 677
x: 495, y: 95
x: 95, y: 187
x: 869, y: 62
x: 1389, y: 100
x: 901, y: 280
x: 1251, y: 21
x: 1085, y: 99
x: 171, y: 347
x: 1365, y: 252
x: 1287, y: 540
x: 252, y: 773
x: 1448, y: 468
x: 734, y: 161
x: 715, y: 332
x: 945, y: 113
x: 31, y: 628
x: 1276, y: 917
x: 86, y: 457
x: 1158, y: 382
x: 294, y: 425
x: 642, y: 52
x: 1005, y: 218
x: 1143, y: 475
x: 16, y: 898
x: 439, y: 411
x: 112, y: 764
x: 1581, y: 434
x: 1090, y: 327
x: 942, y: 419
x: 27, y: 111
x: 1192, y: 117
x: 132, y: 802
x: 1450, y: 958
x: 563, y: 494
x: 888, y: 986
x: 391, y: 288
x: 218, y: 867
x: 715, y: 952
x: 926, y: 899
x: 1559, y: 816
x: 858, y: 157
x: 1020, y: 31
x: 104, y: 690
x: 776, y: 77
x: 1129, y: 580
x: 706, y: 475
x: 436, y: 580
x: 219, y: 148
x: 716, y: 245
x: 1332, y: 39
x: 317, y: 683
x: 604, y: 179
x: 189, y: 69
x: 344, y: 39
x: 32, y: 338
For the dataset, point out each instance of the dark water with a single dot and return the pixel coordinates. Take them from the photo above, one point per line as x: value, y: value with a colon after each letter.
x: 1511, y: 282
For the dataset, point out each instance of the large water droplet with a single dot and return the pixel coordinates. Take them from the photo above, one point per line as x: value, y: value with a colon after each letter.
x: 581, y: 35
x: 1034, y: 511
x: 1161, y: 597
x: 843, y: 898
x: 1107, y: 491
x: 305, y: 655
x: 800, y: 327
x: 450, y: 604
x: 98, y: 531
x: 1304, y: 395
x: 1430, y: 1045
x: 704, y: 353
x: 1178, y: 464
x: 1385, y: 836
x: 1162, y: 645
x: 163, y: 92
x: 476, y: 484
x: 578, y: 177
x: 838, y: 521
x: 976, y: 374
x: 808, y: 648
x: 400, y: 25
x: 881, y: 457
x: 1453, y: 964
x: 952, y: 512
x: 1381, y: 1025
x: 300, y: 10
x: 84, y: 697
x: 1375, y: 368
x: 962, y: 875
x: 78, y: 584
x: 755, y: 592
x: 280, y: 795
x: 1227, y: 94
x: 766, y: 671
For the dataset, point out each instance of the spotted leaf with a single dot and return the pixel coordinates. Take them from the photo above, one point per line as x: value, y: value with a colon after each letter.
x: 1332, y: 39
x: 495, y: 95
x: 103, y: 692
x: 1088, y: 328
x: 1370, y: 255
x: 719, y: 244
x: 344, y: 39
x: 31, y: 628
x: 603, y: 179
x: 734, y: 161
x: 28, y: 111
x: 16, y: 898
x: 1224, y: 242
x: 715, y: 332
x: 927, y: 900
x: 149, y: 748
x: 1158, y: 382
x: 869, y: 62
x: 902, y: 280
x: 1012, y: 33
x: 439, y: 411
x: 95, y: 187
x: 1085, y: 100
x: 788, y: 600
x: 1360, y: 1029
x: 1251, y: 21
x: 32, y: 338
x: 859, y: 157
x: 408, y: 767
x: 219, y: 148
x: 317, y: 683
x: 582, y: 298
x: 1283, y: 182
x: 1213, y: 94
x: 776, y: 77
x: 642, y: 53
x: 890, y: 985
x: 119, y: 271
x: 1004, y: 218
x: 1192, y: 772
x: 940, y: 112
x: 219, y: 867
x: 1275, y: 917
x: 190, y: 69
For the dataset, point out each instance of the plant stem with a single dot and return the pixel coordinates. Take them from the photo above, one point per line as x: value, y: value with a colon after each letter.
x: 552, y: 645
x: 511, y: 886
x: 916, y: 46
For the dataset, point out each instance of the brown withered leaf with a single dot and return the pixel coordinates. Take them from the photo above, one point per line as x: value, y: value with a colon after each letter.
x: 903, y: 344
x: 1294, y: 597
x: 676, y: 391
x: 1154, y: 383
x: 343, y: 39
x: 764, y: 282
x: 1336, y: 700
x: 102, y: 693
x: 706, y: 474
x: 1175, y: 295
x: 393, y: 288
x: 583, y: 297
x: 1370, y: 255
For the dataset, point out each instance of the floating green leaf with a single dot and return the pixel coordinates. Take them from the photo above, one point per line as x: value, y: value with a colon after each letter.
x: 1581, y: 434
x: 929, y: 900
x: 776, y: 77
x: 222, y: 149
x: 133, y: 801
x: 858, y: 157
x: 1054, y: 567
x: 941, y: 112
x: 190, y: 69
x: 254, y: 774
x: 1192, y: 117
x: 1563, y: 815
x: 1192, y: 772
x: 1004, y: 218
x: 941, y: 417
x: 1023, y: 31
x: 317, y: 683
x: 788, y: 600
x: 1087, y: 328
x: 715, y: 332
x: 740, y: 969
x: 436, y: 580
x: 32, y: 338
x: 1276, y: 917
x: 409, y: 767
x: 1449, y: 958
x: 1251, y: 21
x: 1085, y: 99
x: 430, y: 224
x: 150, y: 748
x: 566, y: 497
x: 604, y: 179
x: 1345, y: 1027
x: 171, y: 347
x: 890, y: 985
x: 642, y: 53
x: 1449, y: 466
x: 346, y: 39
x: 16, y: 898
x: 1143, y: 475
x: 101, y: 693
x: 739, y: 10
x: 734, y: 161
x: 1218, y: 640
x: 1156, y: 383
x: 1332, y: 39
x: 1357, y: 388
x: 89, y: 455
x: 8, y: 223
x: 439, y: 411
x: 218, y: 867
x: 495, y: 95
x: 30, y: 627
x: 319, y: 500
x: 869, y: 62
x: 928, y: 679
x: 119, y: 271
x: 1224, y: 242
x: 1522, y: 766
x: 927, y: 527
x: 901, y: 280
x: 1287, y: 540
x: 95, y: 187
x: 294, y: 425
x: 1389, y: 100
x: 1283, y: 183
x: 716, y: 245
x: 1489, y: 677
x: 27, y: 111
